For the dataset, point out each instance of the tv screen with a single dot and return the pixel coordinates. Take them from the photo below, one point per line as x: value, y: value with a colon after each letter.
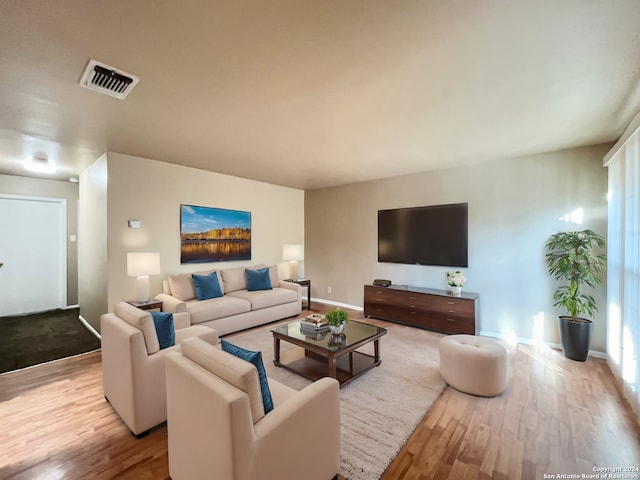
x: 432, y: 235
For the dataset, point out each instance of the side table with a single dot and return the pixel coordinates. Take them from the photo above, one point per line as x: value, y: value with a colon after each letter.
x: 303, y: 282
x: 148, y: 305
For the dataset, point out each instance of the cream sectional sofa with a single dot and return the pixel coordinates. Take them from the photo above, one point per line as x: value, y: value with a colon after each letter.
x: 238, y: 308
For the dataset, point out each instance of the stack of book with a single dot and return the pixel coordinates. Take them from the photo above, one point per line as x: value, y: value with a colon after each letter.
x: 314, y: 324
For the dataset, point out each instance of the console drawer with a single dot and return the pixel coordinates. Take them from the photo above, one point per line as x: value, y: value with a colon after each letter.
x: 452, y: 324
x: 382, y: 311
x: 453, y: 306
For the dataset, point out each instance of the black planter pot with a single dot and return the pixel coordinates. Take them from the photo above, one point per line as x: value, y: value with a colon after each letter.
x: 575, y: 337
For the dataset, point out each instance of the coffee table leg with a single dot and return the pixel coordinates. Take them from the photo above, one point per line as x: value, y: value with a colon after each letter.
x: 351, y: 363
x: 276, y: 351
x: 376, y: 353
x: 332, y: 366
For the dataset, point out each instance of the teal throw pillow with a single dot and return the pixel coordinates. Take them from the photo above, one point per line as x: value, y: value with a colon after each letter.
x: 256, y: 359
x: 258, y: 279
x: 206, y: 286
x: 165, y: 329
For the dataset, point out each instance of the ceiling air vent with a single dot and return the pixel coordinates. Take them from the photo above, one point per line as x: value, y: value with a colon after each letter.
x: 105, y: 79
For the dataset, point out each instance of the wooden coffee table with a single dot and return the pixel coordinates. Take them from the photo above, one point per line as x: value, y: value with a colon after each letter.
x: 325, y: 354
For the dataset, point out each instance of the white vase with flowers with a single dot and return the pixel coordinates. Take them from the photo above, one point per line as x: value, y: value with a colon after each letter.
x: 455, y: 282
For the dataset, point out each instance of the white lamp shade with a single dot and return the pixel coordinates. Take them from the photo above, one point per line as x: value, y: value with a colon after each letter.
x: 143, y: 263
x: 293, y: 252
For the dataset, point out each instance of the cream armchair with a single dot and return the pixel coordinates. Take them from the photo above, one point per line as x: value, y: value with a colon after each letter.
x: 133, y: 364
x: 217, y: 427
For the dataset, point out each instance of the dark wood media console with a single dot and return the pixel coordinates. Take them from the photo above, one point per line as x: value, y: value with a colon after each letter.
x: 423, y: 307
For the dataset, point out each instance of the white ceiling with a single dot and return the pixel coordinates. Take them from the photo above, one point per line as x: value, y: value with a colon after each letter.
x: 312, y: 93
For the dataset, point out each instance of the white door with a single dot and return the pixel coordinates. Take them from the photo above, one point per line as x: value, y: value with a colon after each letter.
x: 33, y: 233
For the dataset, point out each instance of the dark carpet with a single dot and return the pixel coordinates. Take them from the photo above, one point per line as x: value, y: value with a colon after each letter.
x: 27, y: 340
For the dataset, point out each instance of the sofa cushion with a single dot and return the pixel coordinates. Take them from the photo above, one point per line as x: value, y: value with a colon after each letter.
x: 214, y: 308
x: 280, y: 393
x: 182, y: 287
x: 258, y: 279
x: 143, y: 321
x: 266, y: 298
x: 206, y: 286
x: 273, y: 275
x: 242, y: 375
x: 256, y: 359
x: 233, y: 279
x: 165, y: 330
x: 181, y: 320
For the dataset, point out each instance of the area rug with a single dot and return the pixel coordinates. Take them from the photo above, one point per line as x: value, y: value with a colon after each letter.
x: 380, y: 409
x: 28, y: 340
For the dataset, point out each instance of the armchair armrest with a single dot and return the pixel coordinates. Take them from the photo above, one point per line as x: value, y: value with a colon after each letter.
x: 171, y: 304
x: 309, y: 417
x: 181, y: 320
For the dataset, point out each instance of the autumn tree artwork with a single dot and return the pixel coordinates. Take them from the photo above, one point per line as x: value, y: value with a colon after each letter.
x: 214, y: 234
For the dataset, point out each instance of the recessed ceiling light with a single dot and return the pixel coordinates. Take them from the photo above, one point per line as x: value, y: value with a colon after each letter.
x: 74, y: 180
x: 40, y: 164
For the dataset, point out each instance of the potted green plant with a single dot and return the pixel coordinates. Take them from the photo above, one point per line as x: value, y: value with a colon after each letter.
x: 572, y: 258
x: 337, y: 320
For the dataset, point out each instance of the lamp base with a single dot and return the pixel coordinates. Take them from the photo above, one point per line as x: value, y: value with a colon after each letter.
x: 293, y: 269
x: 142, y: 284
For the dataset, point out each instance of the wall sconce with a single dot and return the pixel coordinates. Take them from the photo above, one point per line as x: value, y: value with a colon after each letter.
x: 293, y: 253
x: 141, y: 265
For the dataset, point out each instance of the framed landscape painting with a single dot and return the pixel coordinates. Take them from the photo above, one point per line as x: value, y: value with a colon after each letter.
x: 214, y: 234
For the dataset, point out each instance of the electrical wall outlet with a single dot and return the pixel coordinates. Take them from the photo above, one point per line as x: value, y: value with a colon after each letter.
x: 328, y: 289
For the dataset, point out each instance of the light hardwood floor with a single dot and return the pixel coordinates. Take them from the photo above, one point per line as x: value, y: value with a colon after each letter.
x: 556, y: 417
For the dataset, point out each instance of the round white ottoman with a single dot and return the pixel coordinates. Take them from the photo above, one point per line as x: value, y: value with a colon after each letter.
x: 475, y: 365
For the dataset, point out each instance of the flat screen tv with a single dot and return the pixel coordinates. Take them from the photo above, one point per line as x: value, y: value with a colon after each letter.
x: 431, y: 235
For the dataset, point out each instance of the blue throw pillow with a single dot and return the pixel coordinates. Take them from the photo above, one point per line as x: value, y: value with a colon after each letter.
x: 256, y: 359
x: 165, y: 329
x: 258, y: 279
x: 206, y: 286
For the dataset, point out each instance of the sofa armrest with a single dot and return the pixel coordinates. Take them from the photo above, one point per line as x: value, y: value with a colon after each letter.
x: 291, y: 286
x: 171, y: 304
x: 288, y: 430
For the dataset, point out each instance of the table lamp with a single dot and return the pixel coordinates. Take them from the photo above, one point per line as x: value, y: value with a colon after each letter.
x: 293, y: 253
x: 141, y: 265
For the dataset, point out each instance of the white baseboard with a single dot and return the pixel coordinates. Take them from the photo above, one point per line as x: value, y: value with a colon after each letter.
x: 529, y: 341
x: 336, y: 304
x: 90, y: 328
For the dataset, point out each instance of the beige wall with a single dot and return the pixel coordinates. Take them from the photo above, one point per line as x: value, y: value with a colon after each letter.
x: 92, y: 242
x: 152, y: 191
x: 514, y: 205
x: 35, y: 187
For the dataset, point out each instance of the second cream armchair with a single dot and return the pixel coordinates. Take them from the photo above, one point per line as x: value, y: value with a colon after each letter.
x: 217, y: 427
